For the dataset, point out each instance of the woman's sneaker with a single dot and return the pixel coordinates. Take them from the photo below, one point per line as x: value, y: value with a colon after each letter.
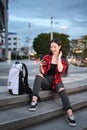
x: 33, y: 106
x: 71, y: 121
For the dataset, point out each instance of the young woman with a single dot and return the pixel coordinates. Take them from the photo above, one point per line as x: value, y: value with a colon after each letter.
x: 52, y: 67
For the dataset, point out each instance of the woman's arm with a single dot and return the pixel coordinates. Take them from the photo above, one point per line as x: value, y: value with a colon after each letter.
x: 44, y: 64
x: 59, y: 64
x: 41, y: 69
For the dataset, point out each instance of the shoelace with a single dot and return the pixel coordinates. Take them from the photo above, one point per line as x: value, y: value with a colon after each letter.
x: 33, y: 103
x: 72, y: 117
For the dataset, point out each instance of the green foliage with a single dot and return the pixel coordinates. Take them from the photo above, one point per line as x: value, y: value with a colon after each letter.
x: 41, y: 43
x: 84, y: 41
x: 84, y: 54
x: 17, y: 57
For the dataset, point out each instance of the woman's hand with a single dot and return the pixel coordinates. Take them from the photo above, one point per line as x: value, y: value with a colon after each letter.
x: 41, y: 63
x: 60, y: 55
x: 60, y: 66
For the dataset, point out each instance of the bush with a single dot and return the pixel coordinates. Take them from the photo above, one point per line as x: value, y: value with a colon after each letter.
x: 17, y: 57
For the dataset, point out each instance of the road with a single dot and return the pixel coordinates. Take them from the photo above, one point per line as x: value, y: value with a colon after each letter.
x: 75, y: 73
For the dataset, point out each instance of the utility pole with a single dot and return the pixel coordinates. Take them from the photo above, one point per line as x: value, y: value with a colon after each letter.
x: 28, y: 46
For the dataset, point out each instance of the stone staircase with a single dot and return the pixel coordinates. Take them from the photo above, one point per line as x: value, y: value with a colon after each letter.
x: 14, y: 113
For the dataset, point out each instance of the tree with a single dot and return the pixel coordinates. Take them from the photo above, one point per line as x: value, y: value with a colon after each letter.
x: 84, y: 54
x: 41, y: 43
x: 84, y: 41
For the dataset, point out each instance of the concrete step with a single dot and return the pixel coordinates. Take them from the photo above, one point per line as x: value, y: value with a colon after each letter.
x: 9, y: 101
x: 60, y: 123
x: 21, y: 117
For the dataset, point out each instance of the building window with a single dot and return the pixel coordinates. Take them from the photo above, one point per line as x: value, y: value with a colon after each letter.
x: 9, y: 38
x: 9, y: 43
x: 14, y: 43
x: 15, y: 38
x: 14, y: 49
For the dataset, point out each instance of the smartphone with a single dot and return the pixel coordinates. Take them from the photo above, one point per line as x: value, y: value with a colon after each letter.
x: 40, y: 57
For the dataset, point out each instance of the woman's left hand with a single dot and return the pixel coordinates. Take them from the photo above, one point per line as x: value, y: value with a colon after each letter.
x: 60, y: 55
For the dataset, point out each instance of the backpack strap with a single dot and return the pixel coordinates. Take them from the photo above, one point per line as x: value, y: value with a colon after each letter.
x: 27, y: 89
x: 26, y: 74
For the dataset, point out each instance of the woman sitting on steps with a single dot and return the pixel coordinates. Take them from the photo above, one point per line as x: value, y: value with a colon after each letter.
x: 52, y: 67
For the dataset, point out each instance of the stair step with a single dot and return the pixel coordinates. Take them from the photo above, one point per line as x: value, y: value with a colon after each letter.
x: 9, y: 101
x: 15, y: 118
x: 60, y: 123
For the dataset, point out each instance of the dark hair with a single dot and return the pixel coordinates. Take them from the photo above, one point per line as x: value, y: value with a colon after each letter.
x: 58, y: 42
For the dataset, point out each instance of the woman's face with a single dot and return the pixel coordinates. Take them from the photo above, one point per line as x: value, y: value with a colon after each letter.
x: 55, y: 48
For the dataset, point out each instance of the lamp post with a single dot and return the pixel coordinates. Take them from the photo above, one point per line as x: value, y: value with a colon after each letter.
x: 51, y: 28
x: 27, y: 41
x: 51, y: 18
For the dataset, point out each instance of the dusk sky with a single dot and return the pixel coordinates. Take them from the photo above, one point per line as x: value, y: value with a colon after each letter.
x: 69, y: 16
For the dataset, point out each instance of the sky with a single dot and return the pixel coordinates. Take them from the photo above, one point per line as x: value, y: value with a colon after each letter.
x: 29, y: 18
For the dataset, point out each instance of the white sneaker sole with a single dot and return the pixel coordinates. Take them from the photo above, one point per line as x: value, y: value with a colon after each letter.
x: 71, y: 124
x: 33, y: 109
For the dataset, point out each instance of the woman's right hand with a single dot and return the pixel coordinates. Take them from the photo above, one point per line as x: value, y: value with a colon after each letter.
x: 42, y: 62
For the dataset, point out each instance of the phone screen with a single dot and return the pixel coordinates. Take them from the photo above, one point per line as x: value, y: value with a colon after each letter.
x: 40, y: 57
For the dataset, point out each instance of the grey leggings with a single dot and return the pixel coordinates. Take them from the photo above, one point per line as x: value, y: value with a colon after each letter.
x: 46, y: 85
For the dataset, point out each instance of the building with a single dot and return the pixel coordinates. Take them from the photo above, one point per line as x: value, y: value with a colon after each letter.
x: 13, y: 42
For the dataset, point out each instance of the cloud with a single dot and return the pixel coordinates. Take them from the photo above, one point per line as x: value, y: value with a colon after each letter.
x: 69, y: 13
x: 35, y: 21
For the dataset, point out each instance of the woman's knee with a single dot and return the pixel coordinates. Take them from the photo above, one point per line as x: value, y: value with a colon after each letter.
x: 61, y: 89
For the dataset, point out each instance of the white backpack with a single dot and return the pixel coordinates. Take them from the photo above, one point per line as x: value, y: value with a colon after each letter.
x: 18, y: 79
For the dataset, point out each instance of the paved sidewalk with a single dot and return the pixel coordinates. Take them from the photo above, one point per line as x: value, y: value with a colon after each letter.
x: 77, y: 75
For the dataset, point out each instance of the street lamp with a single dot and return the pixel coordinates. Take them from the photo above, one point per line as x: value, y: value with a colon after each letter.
x: 51, y: 18
x: 63, y: 27
x: 51, y: 28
